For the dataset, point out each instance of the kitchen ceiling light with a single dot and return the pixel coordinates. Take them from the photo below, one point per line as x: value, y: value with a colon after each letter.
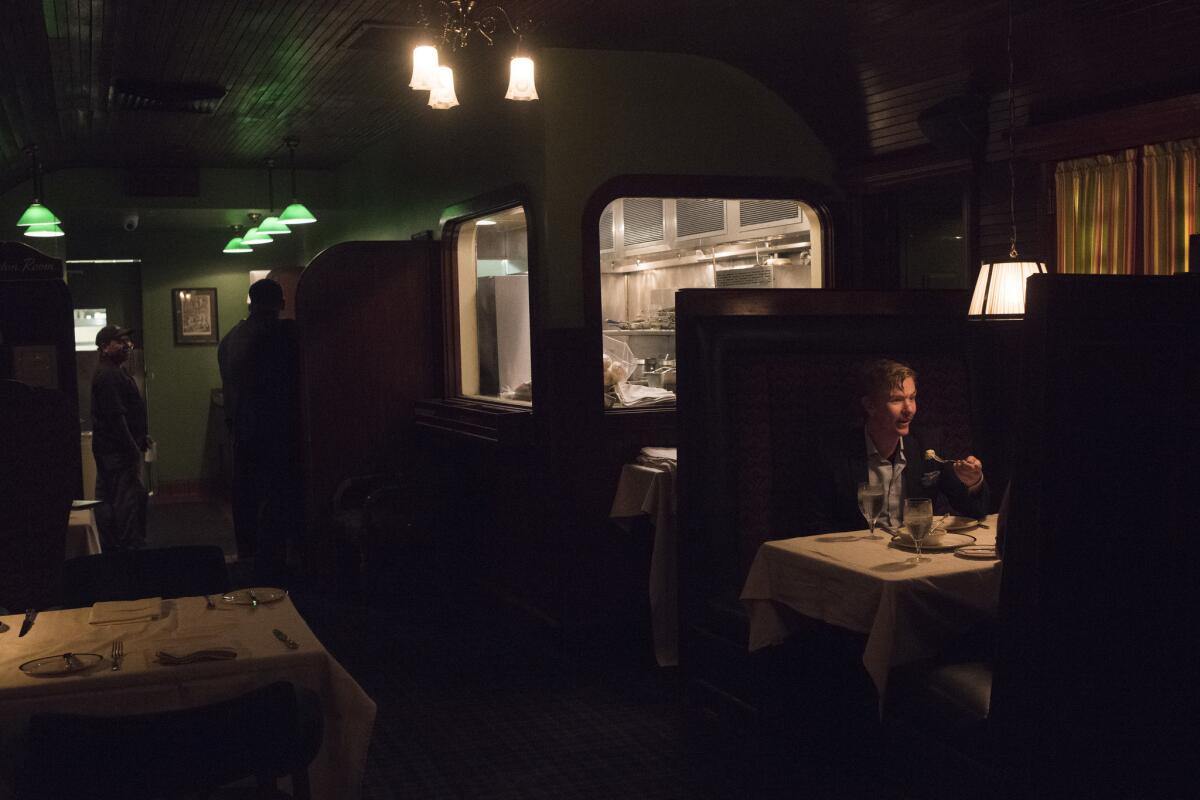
x: 520, y: 80
x: 425, y: 64
x: 295, y: 213
x: 44, y: 230
x: 458, y: 21
x: 442, y: 95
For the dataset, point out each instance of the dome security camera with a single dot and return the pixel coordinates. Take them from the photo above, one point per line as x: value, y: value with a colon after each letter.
x: 131, y: 221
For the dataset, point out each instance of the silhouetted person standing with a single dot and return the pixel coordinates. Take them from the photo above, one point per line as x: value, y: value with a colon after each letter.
x: 118, y: 441
x: 259, y: 364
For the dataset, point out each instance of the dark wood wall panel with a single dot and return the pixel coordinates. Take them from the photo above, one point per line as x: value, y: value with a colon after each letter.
x: 370, y: 348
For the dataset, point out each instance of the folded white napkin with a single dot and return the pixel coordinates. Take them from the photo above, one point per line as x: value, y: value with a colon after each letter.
x: 632, y: 395
x: 115, y: 611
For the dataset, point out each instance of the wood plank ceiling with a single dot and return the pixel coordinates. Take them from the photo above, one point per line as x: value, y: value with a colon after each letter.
x: 860, y: 71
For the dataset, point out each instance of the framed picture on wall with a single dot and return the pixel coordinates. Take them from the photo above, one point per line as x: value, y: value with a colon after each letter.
x: 195, y: 314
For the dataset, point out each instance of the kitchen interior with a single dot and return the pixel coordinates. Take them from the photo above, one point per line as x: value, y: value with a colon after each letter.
x: 650, y: 247
x: 493, y: 307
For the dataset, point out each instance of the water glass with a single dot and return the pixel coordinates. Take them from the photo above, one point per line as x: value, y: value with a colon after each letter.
x: 870, y: 503
x: 918, y: 522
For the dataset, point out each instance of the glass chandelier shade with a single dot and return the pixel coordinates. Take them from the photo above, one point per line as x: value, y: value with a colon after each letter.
x: 236, y: 245
x: 44, y: 230
x: 296, y: 214
x: 442, y: 94
x: 1000, y: 289
x: 273, y: 227
x: 38, y: 214
x: 425, y: 65
x: 520, y: 80
x: 255, y: 236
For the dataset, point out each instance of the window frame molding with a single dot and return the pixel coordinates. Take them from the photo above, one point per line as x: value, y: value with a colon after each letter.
x: 450, y: 223
x: 819, y: 197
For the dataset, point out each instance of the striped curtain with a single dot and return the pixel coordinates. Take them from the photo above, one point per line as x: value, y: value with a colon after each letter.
x: 1096, y: 210
x: 1169, y: 199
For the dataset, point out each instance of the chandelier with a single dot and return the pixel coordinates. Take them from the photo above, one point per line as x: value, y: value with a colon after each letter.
x: 453, y: 23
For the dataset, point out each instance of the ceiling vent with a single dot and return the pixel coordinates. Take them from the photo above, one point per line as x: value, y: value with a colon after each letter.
x: 189, y: 98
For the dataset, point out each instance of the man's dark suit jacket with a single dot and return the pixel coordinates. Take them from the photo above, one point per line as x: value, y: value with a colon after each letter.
x: 829, y: 498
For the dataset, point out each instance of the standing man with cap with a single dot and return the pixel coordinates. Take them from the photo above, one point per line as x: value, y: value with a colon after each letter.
x: 118, y: 440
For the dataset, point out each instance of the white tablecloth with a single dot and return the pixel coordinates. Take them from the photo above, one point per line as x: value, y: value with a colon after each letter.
x: 907, y: 611
x: 83, y: 536
x: 143, y: 686
x: 651, y: 490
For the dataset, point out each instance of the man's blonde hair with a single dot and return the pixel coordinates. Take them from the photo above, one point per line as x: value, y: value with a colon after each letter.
x: 880, y: 377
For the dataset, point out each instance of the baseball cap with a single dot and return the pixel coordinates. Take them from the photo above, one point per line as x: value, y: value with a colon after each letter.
x: 110, y: 333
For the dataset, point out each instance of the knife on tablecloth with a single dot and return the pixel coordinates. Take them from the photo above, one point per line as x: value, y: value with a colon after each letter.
x: 30, y: 616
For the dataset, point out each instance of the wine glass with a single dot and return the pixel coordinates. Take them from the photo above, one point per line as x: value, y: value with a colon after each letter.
x: 870, y: 503
x: 918, y: 521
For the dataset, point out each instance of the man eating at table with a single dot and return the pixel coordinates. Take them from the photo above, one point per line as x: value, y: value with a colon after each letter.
x: 887, y: 451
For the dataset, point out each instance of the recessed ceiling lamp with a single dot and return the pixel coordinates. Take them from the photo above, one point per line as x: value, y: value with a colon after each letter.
x: 458, y: 21
x: 255, y: 235
x: 38, y: 220
x: 236, y: 245
x: 295, y: 213
x: 1000, y: 288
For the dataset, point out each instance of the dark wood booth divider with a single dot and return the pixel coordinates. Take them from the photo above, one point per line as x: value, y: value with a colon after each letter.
x: 760, y: 373
x: 370, y: 347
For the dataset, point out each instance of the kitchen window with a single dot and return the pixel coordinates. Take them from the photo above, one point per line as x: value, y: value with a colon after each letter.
x: 650, y: 247
x: 492, y: 277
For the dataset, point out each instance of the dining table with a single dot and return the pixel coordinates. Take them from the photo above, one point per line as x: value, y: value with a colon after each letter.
x: 83, y: 534
x: 907, y: 611
x: 143, y: 684
x: 647, y: 486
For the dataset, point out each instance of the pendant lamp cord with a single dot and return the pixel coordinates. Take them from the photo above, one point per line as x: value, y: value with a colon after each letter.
x: 37, y: 173
x: 291, y: 145
x: 270, y: 186
x: 1012, y: 150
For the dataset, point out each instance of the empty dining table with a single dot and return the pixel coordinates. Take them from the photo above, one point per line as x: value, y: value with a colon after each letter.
x: 87, y: 684
x: 907, y: 611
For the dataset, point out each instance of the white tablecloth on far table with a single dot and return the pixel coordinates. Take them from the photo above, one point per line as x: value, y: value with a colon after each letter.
x: 143, y: 686
x: 907, y: 611
x: 83, y: 536
x: 651, y: 490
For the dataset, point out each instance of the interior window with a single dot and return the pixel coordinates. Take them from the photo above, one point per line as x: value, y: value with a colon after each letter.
x: 650, y: 247
x: 493, y: 307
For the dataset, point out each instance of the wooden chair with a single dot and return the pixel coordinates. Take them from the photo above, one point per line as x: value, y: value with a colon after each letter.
x: 268, y: 733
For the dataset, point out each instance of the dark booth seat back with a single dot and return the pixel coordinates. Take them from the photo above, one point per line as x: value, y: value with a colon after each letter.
x: 1099, y: 601
x: 39, y: 470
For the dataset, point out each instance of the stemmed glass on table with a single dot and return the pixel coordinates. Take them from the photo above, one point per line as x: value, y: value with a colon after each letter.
x: 918, y: 522
x: 870, y: 503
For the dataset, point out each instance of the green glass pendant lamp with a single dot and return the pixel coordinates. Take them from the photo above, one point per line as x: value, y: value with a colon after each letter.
x: 38, y: 220
x: 271, y: 225
x: 236, y: 245
x: 256, y: 235
x: 295, y: 213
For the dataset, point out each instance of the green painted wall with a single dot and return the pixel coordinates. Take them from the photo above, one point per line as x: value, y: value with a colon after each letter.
x: 602, y: 114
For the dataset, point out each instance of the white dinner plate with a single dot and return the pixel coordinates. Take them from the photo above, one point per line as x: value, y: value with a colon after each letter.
x: 942, y: 544
x: 983, y: 552
x: 61, y: 664
x: 959, y: 523
x: 261, y: 595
